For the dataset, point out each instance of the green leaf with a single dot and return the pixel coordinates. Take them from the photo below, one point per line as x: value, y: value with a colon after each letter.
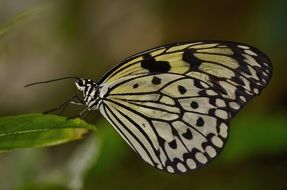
x: 38, y: 130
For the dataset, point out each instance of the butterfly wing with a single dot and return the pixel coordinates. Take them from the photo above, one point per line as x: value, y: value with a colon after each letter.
x: 174, y: 122
x: 237, y: 71
x: 172, y: 104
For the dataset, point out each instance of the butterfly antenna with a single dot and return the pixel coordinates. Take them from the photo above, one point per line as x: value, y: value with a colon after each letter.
x: 52, y: 80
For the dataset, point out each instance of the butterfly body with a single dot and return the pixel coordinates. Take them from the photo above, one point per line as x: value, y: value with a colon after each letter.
x: 173, y: 104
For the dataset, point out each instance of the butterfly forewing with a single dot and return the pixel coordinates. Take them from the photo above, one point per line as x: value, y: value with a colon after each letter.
x: 236, y: 71
x: 172, y: 104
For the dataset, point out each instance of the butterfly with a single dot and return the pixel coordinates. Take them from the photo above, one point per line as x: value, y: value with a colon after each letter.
x: 172, y: 104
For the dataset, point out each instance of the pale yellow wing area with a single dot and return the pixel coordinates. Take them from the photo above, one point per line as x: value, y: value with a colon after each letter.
x: 236, y: 71
x: 174, y: 122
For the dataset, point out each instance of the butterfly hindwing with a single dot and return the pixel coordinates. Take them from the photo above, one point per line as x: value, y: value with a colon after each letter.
x: 174, y: 122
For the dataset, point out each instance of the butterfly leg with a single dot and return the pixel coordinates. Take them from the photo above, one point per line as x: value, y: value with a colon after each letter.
x: 86, y: 111
x: 64, y: 105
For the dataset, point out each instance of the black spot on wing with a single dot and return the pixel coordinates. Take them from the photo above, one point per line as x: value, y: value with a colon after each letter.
x: 198, y: 84
x: 200, y: 122
x: 173, y: 144
x: 153, y: 65
x: 194, y: 105
x: 135, y: 85
x: 238, y: 80
x: 156, y: 80
x: 181, y: 89
x: 187, y: 135
x: 212, y: 111
x: 189, y: 57
x: 238, y: 56
x: 215, y: 80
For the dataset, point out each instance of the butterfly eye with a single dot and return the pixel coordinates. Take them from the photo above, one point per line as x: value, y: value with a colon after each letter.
x: 80, y: 84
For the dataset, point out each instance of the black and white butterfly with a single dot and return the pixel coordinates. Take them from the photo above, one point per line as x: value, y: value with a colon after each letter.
x: 173, y: 104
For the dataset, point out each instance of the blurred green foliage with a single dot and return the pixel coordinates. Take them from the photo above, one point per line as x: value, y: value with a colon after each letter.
x: 86, y: 38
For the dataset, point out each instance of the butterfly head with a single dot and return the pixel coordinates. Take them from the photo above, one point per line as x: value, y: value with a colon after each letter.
x: 80, y: 84
x: 84, y: 84
x: 90, y: 91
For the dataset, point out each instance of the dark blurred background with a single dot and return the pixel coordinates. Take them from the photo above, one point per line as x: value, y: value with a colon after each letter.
x: 41, y: 39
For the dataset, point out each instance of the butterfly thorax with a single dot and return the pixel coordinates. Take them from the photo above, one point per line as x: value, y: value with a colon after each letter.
x: 90, y: 91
